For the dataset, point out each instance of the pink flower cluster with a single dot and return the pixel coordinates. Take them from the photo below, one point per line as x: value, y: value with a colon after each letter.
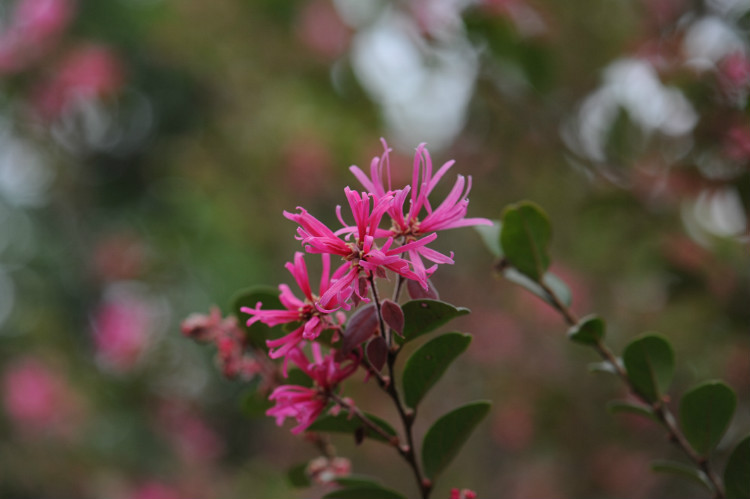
x: 389, y: 233
x: 229, y: 340
x: 463, y: 494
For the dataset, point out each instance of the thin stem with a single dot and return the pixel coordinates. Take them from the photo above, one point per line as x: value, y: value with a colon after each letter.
x: 407, y: 417
x: 352, y: 409
x: 662, y: 412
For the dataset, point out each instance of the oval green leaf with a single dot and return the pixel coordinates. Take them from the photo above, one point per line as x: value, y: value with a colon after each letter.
x: 423, y: 316
x: 705, y: 413
x: 490, y: 235
x: 589, y: 331
x: 364, y: 492
x: 524, y: 238
x: 553, y: 282
x: 737, y: 472
x: 649, y: 362
x: 445, y: 438
x: 343, y: 423
x: 425, y: 366
x: 684, y: 471
x: 297, y: 476
x: 622, y: 407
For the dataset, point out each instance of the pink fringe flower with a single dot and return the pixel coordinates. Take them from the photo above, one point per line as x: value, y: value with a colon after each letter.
x: 314, y: 311
x: 306, y: 404
x: 408, y: 225
x: 463, y: 494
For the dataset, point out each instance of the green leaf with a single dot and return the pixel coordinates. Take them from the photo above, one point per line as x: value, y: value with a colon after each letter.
x: 589, y: 331
x: 683, y: 470
x: 342, y: 423
x: 737, y: 472
x: 298, y: 476
x: 367, y: 492
x: 444, y: 439
x: 361, y: 481
x: 258, y: 333
x: 490, y: 235
x: 423, y: 316
x: 425, y: 366
x: 553, y: 282
x: 255, y: 405
x: 649, y: 361
x: 622, y: 407
x: 524, y: 238
x: 705, y: 413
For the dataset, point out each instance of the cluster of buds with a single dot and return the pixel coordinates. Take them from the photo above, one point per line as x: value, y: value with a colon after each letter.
x: 233, y: 355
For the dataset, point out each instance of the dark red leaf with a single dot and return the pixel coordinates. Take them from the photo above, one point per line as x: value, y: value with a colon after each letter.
x: 393, y: 315
x: 362, y: 324
x: 377, y: 352
x: 417, y: 292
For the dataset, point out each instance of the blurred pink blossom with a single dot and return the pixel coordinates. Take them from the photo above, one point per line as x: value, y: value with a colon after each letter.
x: 737, y: 143
x: 320, y: 28
x: 323, y: 470
x: 513, y: 424
x: 121, y: 330
x: 33, y: 28
x: 119, y: 256
x: 734, y: 72
x: 463, y: 494
x: 38, y: 399
x: 308, y: 166
x: 191, y: 436
x: 89, y: 72
x: 155, y: 490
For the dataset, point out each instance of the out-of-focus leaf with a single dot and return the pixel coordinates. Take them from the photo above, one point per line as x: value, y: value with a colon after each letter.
x: 737, y: 472
x: 342, y: 423
x: 362, y: 324
x: 589, y: 331
x: 705, y: 414
x: 524, y: 237
x: 255, y: 405
x: 393, y: 315
x: 622, y: 407
x: 258, y: 333
x: 417, y: 292
x: 423, y: 316
x: 364, y: 492
x: 490, y: 235
x: 444, y: 439
x: 298, y: 476
x: 649, y: 361
x: 425, y: 366
x: 556, y: 284
x: 682, y: 470
x: 351, y: 481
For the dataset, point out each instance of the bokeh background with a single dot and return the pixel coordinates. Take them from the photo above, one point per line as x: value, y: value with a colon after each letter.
x: 148, y: 148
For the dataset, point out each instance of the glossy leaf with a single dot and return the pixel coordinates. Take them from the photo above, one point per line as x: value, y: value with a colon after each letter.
x: 444, y: 439
x: 705, y: 413
x: 553, y: 282
x: 364, y: 492
x: 524, y: 238
x: 423, y: 316
x: 649, y: 361
x: 258, y: 333
x: 737, y: 472
x: 490, y: 235
x: 683, y: 470
x: 361, y: 325
x: 425, y: 366
x: 393, y: 315
x: 622, y: 407
x: 298, y: 476
x: 342, y: 423
x: 589, y: 331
